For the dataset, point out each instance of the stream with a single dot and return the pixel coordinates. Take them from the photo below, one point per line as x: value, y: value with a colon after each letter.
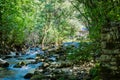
x: 13, y: 73
x: 29, y: 59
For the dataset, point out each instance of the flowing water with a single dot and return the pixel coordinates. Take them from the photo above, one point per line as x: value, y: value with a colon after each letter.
x: 12, y: 73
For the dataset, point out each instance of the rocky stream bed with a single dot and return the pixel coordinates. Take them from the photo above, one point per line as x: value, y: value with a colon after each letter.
x: 38, y: 64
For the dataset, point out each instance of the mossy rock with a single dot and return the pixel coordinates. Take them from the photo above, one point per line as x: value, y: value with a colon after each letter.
x: 38, y: 55
x: 20, y: 64
x: 37, y: 77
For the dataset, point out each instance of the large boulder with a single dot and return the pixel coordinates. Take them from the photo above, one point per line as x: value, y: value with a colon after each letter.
x: 28, y: 75
x: 4, y: 63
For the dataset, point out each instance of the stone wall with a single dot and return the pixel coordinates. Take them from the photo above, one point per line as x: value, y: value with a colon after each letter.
x: 110, y: 57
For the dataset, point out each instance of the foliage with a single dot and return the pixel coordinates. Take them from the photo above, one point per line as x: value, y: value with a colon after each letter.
x: 94, y: 72
x: 83, y: 53
x: 95, y: 14
x: 52, y: 21
x: 34, y: 21
x: 16, y: 17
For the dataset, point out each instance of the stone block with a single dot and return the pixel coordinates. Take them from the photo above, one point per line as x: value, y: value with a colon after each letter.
x: 116, y: 51
x: 107, y: 51
x: 111, y: 51
x: 106, y: 65
x: 113, y: 63
x: 103, y: 44
x: 105, y: 30
x: 113, y: 59
x: 105, y: 57
x: 113, y: 68
x: 103, y: 37
x: 110, y: 37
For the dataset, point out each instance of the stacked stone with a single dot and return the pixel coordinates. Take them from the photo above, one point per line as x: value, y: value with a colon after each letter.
x: 110, y: 57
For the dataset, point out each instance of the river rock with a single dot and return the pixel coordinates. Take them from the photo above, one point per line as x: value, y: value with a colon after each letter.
x: 3, y: 63
x: 61, y: 64
x: 8, y: 56
x: 45, y: 65
x: 20, y: 64
x: 28, y: 75
x: 52, y: 59
x: 41, y: 60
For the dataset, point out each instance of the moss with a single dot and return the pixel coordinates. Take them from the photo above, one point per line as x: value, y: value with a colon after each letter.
x: 37, y: 77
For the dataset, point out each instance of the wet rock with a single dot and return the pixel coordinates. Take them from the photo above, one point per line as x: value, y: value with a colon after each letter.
x: 42, y: 68
x: 12, y: 55
x: 20, y: 58
x: 17, y: 54
x: 57, y: 56
x: 38, y: 55
x: 8, y: 56
x: 33, y: 62
x: 20, y: 64
x: 44, y: 65
x: 29, y: 58
x: 52, y: 59
x: 4, y: 63
x: 28, y: 75
x: 42, y: 60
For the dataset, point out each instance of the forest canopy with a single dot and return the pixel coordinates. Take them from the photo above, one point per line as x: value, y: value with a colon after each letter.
x: 37, y: 22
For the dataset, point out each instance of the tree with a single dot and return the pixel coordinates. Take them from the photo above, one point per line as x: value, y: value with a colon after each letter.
x: 16, y: 17
x: 32, y: 22
x: 52, y: 22
x: 103, y: 19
